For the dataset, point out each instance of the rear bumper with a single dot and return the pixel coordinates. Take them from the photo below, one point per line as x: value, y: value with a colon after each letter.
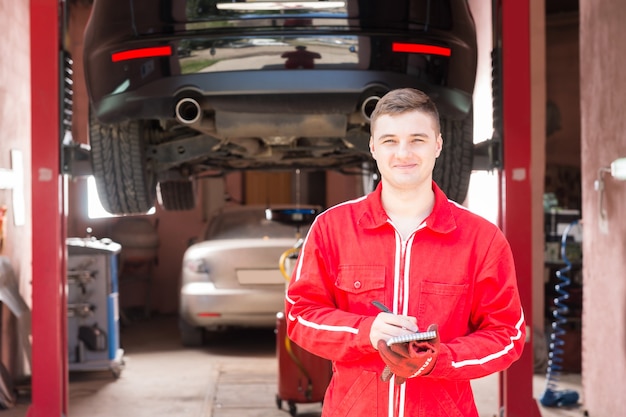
x: 203, y: 305
x: 317, y: 92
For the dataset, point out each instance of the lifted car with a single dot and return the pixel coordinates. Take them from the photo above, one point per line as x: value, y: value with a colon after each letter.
x: 181, y: 89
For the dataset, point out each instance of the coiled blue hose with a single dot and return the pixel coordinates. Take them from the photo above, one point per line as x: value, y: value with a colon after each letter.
x: 552, y: 396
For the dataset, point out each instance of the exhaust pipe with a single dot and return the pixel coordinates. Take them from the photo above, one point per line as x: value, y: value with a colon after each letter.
x: 368, y: 105
x: 188, y: 111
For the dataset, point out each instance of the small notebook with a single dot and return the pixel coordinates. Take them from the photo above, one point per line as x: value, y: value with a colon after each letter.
x: 411, y: 337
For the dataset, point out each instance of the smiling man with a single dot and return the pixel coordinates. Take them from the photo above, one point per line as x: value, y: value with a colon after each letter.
x: 405, y: 143
x: 431, y: 265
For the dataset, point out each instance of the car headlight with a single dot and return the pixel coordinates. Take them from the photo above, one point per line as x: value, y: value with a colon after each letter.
x: 197, y: 266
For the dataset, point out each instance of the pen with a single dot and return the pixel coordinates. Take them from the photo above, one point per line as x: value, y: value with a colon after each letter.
x: 407, y: 337
x: 387, y: 374
x: 381, y: 306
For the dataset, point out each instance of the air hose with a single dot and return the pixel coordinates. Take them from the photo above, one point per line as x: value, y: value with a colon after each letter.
x: 288, y: 254
x: 552, y: 396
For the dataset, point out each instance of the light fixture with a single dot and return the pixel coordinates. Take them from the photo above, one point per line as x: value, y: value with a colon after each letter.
x: 617, y: 170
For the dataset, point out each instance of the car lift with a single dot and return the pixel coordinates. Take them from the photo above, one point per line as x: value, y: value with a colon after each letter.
x: 511, y: 24
x: 49, y: 317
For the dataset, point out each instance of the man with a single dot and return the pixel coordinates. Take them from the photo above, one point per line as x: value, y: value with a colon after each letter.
x: 434, y: 264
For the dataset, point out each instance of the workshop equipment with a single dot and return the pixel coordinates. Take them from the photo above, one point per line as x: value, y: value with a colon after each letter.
x: 10, y: 296
x: 552, y: 396
x: 302, y: 376
x: 92, y: 305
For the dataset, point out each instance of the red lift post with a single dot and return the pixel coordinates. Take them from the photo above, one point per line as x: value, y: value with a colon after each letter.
x: 516, y: 383
x: 49, y: 315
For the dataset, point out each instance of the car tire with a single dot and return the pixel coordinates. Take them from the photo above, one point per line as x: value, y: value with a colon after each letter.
x: 190, y: 336
x: 454, y: 166
x: 177, y: 195
x: 126, y: 184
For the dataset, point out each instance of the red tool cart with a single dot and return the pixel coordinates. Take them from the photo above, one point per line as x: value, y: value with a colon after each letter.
x: 302, y: 376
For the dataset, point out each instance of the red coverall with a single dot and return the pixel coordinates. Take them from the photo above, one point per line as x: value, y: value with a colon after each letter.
x: 456, y: 270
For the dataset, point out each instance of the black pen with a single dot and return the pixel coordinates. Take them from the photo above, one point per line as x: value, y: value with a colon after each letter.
x: 407, y: 337
x: 381, y: 306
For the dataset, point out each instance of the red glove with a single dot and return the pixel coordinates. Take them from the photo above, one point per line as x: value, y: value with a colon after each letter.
x: 410, y: 359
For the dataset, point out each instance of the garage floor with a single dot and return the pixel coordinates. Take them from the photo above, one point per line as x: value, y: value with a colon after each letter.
x: 236, y: 379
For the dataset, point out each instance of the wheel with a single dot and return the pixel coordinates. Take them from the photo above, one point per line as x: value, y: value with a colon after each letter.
x: 190, y: 336
x: 177, y: 194
x: 125, y: 181
x: 454, y: 166
x: 116, y: 371
x: 293, y: 409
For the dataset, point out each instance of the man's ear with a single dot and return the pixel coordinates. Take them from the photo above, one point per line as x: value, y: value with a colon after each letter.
x: 372, y: 147
x: 439, y: 145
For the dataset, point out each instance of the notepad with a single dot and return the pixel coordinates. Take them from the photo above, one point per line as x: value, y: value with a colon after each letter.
x: 412, y: 337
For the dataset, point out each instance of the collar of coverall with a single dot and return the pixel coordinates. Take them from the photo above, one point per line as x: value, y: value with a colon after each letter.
x: 440, y: 220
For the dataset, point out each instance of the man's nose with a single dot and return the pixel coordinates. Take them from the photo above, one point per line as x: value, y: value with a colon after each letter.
x: 403, y: 149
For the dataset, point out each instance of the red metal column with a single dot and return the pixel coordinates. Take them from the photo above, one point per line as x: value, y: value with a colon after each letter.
x: 49, y: 315
x: 517, y: 382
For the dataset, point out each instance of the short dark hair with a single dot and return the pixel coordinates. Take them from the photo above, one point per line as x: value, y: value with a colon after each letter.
x: 404, y: 100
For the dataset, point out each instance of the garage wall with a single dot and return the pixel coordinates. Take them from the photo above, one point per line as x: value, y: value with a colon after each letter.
x: 603, y: 102
x: 15, y: 134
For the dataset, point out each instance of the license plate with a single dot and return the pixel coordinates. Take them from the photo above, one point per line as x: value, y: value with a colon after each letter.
x: 260, y: 276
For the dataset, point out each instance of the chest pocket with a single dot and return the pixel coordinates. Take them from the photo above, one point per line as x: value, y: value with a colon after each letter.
x: 444, y: 304
x: 358, y: 285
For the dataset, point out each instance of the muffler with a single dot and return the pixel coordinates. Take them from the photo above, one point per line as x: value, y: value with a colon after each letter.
x: 188, y: 111
x: 368, y: 105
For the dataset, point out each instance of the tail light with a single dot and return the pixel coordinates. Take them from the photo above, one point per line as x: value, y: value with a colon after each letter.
x: 420, y: 48
x: 151, y: 52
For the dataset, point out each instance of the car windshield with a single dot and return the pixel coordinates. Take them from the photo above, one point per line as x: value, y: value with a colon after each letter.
x: 239, y: 224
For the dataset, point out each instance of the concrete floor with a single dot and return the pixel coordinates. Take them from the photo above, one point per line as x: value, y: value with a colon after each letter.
x: 237, y: 378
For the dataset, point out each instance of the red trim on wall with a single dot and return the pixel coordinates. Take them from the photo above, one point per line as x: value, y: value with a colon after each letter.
x: 49, y: 312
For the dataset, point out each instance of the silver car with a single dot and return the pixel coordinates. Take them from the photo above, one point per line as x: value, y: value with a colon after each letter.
x: 233, y: 277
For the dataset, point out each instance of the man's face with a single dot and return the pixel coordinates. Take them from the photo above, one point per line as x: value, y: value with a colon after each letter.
x: 405, y: 147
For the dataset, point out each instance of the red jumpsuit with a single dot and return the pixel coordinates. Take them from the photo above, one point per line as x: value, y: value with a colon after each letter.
x: 456, y: 270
